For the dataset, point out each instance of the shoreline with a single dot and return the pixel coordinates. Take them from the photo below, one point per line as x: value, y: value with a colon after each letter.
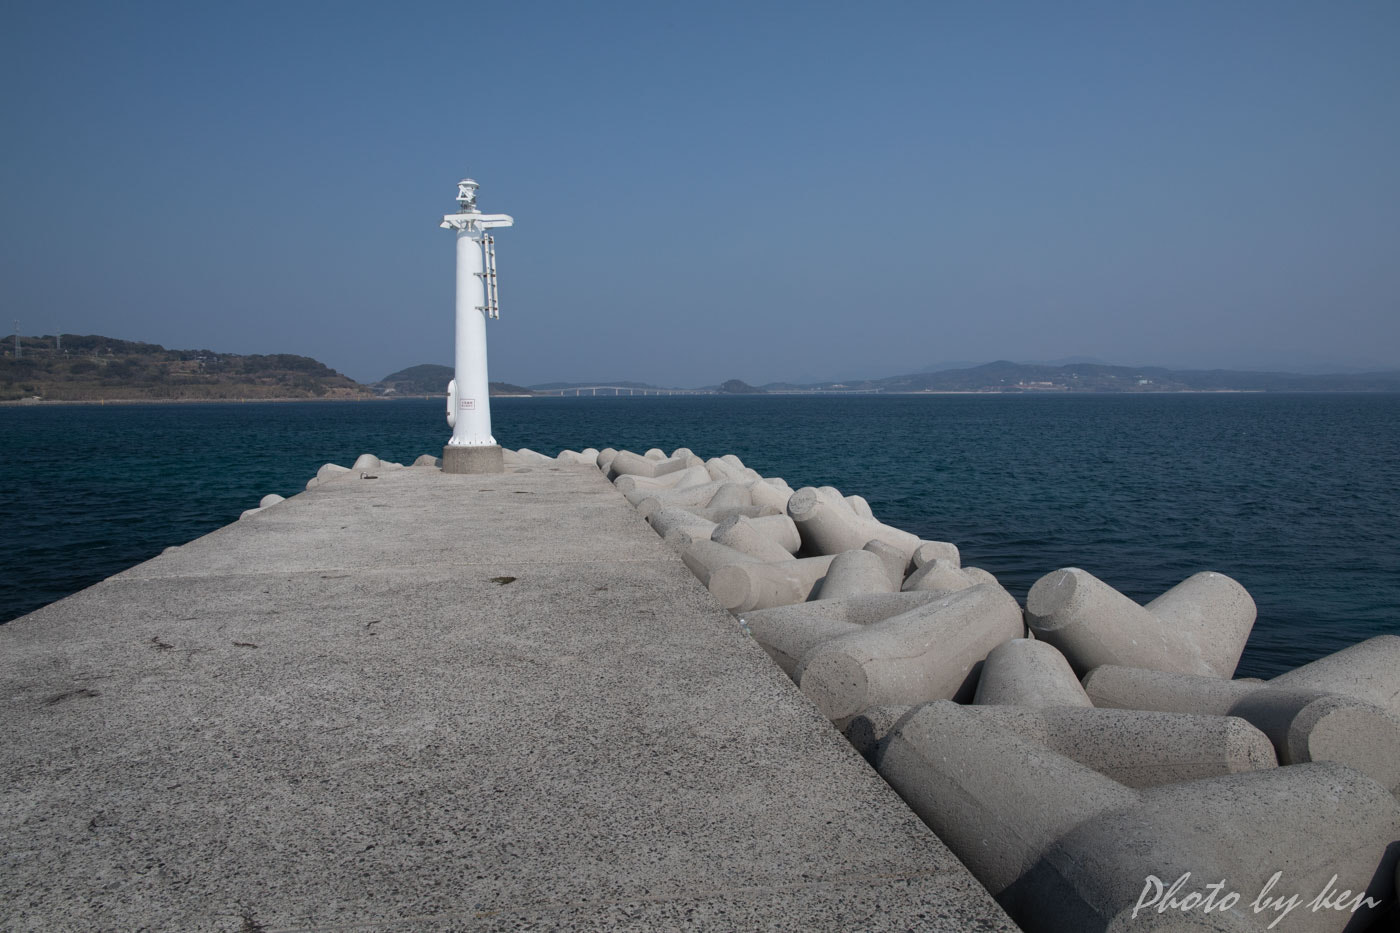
x: 43, y: 403
x: 39, y: 403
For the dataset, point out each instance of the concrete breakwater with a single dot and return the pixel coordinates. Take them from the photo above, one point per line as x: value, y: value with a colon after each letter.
x: 1088, y: 758
x: 407, y: 700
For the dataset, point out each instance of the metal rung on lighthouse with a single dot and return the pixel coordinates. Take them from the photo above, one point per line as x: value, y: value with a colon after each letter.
x: 488, y: 278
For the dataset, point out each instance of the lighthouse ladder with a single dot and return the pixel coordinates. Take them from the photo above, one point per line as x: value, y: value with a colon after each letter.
x: 488, y: 278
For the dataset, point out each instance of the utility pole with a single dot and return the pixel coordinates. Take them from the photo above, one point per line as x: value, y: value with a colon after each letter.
x: 16, y: 339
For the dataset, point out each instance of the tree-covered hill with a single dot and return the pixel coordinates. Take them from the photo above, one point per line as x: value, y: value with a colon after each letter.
x: 92, y: 367
x: 432, y: 379
x: 739, y: 387
x: 424, y: 379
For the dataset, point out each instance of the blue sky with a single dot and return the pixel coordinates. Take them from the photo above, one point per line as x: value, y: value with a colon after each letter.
x: 706, y: 191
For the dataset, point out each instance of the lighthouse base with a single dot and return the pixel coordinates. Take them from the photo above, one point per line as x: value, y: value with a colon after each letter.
x: 473, y: 459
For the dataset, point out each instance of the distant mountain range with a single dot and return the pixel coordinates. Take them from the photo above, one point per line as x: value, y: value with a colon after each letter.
x: 89, y: 368
x: 1004, y: 376
x: 1078, y: 375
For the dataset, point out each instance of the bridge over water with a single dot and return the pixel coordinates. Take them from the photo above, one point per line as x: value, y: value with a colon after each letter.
x: 590, y: 391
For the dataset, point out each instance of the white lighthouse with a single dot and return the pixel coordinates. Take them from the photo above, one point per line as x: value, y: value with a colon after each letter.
x: 472, y: 449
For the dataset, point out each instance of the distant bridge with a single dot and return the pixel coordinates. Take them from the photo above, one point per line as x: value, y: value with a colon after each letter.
x: 579, y: 391
x: 878, y: 390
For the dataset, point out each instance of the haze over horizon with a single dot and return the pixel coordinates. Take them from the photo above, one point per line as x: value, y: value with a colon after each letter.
x: 771, y: 192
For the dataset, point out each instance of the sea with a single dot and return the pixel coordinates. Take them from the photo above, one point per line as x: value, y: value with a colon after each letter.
x: 1295, y: 496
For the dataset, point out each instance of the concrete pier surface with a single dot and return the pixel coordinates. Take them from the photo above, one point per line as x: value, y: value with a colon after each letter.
x: 437, y: 702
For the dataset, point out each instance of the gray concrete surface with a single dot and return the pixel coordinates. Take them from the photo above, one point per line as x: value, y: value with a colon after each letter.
x: 730, y: 496
x: 1065, y: 848
x: 934, y: 652
x: 1215, y: 613
x: 892, y: 558
x: 704, y: 557
x: 1304, y: 725
x: 1093, y: 624
x: 437, y: 702
x: 788, y: 639
x: 862, y: 610
x: 741, y: 533
x: 468, y: 460
x: 741, y: 587
x: 640, y: 465
x: 1025, y: 672
x: 929, y: 551
x: 856, y: 573
x: 828, y: 525
x: 780, y: 529
x: 772, y: 493
x: 665, y: 521
x: 939, y: 576
x: 1368, y: 670
x: 1138, y: 748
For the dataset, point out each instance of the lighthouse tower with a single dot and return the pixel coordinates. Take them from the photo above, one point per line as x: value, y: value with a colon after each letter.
x: 472, y: 449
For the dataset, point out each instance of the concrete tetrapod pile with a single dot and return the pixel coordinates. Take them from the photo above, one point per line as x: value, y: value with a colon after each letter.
x: 1088, y: 758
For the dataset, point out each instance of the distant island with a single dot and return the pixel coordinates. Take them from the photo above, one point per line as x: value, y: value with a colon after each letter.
x: 77, y: 368
x: 431, y: 379
x: 1004, y: 376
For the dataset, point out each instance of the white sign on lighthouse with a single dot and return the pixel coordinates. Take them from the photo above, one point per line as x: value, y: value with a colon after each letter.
x: 471, y: 448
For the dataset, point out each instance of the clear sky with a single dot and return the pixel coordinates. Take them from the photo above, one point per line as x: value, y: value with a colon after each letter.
x: 703, y: 191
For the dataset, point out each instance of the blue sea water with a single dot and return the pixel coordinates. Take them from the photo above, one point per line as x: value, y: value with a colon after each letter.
x: 1295, y: 496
